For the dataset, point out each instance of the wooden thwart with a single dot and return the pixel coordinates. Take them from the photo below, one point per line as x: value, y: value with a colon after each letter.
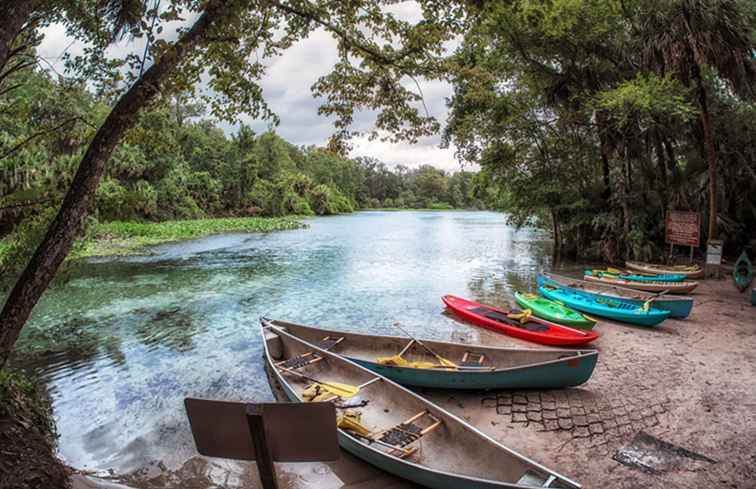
x: 472, y: 359
x: 300, y: 361
x: 406, y: 433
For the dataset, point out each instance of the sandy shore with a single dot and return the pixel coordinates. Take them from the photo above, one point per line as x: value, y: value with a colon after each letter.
x: 690, y: 383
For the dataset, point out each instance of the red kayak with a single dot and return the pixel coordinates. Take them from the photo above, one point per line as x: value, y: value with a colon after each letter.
x: 534, y: 329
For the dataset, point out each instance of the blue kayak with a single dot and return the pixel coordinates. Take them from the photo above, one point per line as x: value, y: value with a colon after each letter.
x: 604, y: 306
x: 670, y: 277
x: 678, y: 306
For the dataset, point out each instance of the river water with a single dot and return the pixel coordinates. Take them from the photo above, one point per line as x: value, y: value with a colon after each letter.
x: 125, y: 340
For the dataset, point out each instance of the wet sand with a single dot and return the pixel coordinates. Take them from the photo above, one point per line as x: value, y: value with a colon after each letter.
x: 689, y: 383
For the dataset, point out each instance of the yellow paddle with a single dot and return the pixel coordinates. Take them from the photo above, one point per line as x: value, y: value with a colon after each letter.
x: 443, y: 361
x: 523, y: 316
x: 335, y: 388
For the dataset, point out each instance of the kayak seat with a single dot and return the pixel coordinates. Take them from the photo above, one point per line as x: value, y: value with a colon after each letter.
x: 502, y: 318
x: 398, y: 437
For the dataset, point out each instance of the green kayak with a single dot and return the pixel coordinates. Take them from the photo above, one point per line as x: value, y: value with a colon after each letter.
x: 743, y: 273
x: 554, y: 311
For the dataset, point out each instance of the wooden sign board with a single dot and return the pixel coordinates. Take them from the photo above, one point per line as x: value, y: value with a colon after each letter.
x: 683, y: 228
x: 295, y: 432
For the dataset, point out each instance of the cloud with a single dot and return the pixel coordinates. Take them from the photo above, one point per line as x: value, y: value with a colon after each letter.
x: 286, y: 88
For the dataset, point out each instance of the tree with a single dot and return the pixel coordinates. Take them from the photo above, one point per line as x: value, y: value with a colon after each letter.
x: 376, y: 51
x: 686, y: 37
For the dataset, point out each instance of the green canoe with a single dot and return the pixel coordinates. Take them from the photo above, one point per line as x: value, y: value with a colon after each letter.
x: 743, y: 273
x: 554, y: 311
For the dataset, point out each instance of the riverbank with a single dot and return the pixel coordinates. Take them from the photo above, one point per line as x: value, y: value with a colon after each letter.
x: 129, y: 238
x: 27, y: 437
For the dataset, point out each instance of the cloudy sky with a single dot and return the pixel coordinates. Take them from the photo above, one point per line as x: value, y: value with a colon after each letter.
x: 286, y: 87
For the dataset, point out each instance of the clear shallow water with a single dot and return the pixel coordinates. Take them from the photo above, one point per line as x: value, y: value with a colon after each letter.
x: 127, y: 339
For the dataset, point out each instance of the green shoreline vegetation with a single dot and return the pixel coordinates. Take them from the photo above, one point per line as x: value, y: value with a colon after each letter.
x: 128, y: 238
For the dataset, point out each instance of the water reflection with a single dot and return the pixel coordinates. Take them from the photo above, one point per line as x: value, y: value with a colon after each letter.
x: 124, y: 341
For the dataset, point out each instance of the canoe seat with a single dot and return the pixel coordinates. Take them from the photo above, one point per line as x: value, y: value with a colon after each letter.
x: 472, y: 359
x: 533, y: 479
x: 300, y: 361
x: 398, y: 437
x: 327, y: 343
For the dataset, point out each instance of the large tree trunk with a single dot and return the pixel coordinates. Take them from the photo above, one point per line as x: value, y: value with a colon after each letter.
x: 604, y: 148
x: 663, y: 180
x: 557, y: 255
x: 711, y: 157
x: 69, y: 221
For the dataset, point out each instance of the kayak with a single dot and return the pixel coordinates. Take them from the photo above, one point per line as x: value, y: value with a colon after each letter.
x: 743, y: 272
x: 472, y: 366
x: 649, y: 286
x: 665, y: 277
x: 679, y: 306
x: 604, y: 306
x: 690, y: 271
x: 528, y: 328
x: 554, y: 311
x: 394, y: 429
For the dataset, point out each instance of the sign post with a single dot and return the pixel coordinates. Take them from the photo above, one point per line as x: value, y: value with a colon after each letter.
x: 713, y: 257
x: 263, y: 457
x: 683, y: 228
x: 264, y: 432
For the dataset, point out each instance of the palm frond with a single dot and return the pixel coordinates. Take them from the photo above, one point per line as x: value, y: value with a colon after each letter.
x: 124, y: 15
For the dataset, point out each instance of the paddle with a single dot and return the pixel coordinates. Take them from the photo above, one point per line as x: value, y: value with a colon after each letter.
x: 443, y: 361
x: 647, y: 305
x: 335, y: 388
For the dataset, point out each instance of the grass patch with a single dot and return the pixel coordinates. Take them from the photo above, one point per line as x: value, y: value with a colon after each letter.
x: 128, y: 238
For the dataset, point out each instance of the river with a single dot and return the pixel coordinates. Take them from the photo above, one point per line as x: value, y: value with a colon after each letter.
x: 123, y: 342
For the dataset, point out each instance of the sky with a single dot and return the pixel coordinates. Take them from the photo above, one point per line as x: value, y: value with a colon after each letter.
x: 286, y: 88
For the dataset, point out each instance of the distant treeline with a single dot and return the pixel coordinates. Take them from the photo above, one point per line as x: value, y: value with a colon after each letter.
x: 178, y: 165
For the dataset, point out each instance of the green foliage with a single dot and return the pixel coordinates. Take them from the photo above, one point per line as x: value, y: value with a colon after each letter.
x: 119, y: 237
x: 647, y: 100
x: 586, y: 116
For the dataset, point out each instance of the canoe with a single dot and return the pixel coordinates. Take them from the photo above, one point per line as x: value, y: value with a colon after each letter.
x: 690, y: 271
x: 664, y: 277
x: 743, y: 272
x: 396, y: 430
x: 478, y: 367
x: 534, y: 329
x: 554, y: 311
x: 608, y: 307
x: 678, y: 306
x: 650, y: 286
